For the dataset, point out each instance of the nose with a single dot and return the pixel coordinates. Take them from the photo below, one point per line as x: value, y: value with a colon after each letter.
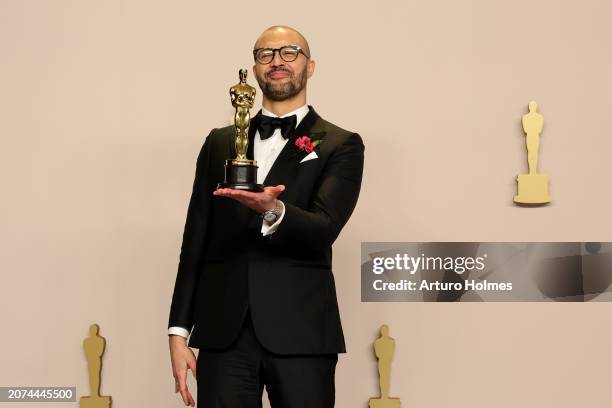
x: 276, y: 59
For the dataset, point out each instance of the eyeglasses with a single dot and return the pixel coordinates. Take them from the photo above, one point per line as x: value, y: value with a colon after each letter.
x: 288, y: 53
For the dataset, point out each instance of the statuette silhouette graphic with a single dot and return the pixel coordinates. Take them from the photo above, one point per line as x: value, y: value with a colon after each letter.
x: 240, y: 172
x: 94, y: 349
x: 532, y: 187
x: 384, y: 348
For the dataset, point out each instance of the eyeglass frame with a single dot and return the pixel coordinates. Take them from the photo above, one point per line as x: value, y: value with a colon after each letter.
x: 296, y: 47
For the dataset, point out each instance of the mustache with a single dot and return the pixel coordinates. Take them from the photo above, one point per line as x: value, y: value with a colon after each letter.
x: 278, y: 69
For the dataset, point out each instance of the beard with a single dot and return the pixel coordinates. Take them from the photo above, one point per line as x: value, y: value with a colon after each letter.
x: 287, y: 90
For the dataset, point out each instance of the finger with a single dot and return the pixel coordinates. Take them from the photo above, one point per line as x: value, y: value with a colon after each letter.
x: 191, y: 400
x: 185, y: 398
x: 183, y: 386
x: 243, y: 198
x: 192, y: 365
x: 247, y: 193
x: 222, y: 190
x: 278, y: 189
x: 227, y: 192
x: 274, y: 189
x: 185, y: 395
x: 242, y: 193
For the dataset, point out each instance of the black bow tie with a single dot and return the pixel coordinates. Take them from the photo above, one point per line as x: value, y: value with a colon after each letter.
x: 267, y: 125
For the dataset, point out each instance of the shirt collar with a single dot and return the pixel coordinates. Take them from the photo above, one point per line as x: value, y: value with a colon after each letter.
x: 299, y: 112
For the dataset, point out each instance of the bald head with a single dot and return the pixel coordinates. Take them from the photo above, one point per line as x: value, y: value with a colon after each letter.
x: 283, y: 79
x: 280, y: 33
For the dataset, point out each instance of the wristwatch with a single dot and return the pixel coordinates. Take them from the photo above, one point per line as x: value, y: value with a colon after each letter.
x: 273, y: 214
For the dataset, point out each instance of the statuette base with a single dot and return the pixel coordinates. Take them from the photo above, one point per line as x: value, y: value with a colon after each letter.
x: 95, y: 402
x: 241, y: 175
x: 384, y: 402
x: 532, y: 189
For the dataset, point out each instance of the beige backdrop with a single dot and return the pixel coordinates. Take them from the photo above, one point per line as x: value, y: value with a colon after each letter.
x: 105, y: 105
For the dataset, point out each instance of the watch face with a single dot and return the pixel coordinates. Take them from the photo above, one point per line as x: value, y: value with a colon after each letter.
x: 269, y: 217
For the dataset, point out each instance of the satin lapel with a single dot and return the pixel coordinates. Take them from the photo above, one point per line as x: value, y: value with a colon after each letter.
x: 290, y: 155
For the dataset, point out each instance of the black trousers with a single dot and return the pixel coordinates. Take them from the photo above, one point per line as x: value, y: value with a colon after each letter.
x: 235, y: 377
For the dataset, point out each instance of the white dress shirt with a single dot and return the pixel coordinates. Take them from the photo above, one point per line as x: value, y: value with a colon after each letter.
x: 265, y: 153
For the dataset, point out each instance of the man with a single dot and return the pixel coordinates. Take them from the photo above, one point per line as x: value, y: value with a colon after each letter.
x: 254, y: 277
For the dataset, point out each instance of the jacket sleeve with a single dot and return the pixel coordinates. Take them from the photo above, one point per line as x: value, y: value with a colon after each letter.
x: 334, y: 200
x: 183, y: 298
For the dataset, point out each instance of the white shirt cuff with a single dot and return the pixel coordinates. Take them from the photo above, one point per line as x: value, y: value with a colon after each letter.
x: 267, y: 228
x: 179, y: 331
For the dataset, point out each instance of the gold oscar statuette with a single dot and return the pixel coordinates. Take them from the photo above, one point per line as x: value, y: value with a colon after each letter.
x: 532, y: 187
x: 240, y: 172
x: 94, y: 348
x: 384, y: 347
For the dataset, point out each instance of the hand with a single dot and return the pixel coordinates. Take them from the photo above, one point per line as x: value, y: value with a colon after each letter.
x: 260, y: 202
x: 182, y: 358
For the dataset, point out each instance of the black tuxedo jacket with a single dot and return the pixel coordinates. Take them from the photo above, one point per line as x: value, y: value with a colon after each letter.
x: 285, y: 278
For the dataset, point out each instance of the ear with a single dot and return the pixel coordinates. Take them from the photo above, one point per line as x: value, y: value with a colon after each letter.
x: 310, y: 67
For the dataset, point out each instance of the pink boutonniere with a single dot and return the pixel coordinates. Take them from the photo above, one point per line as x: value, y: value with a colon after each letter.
x: 304, y: 143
